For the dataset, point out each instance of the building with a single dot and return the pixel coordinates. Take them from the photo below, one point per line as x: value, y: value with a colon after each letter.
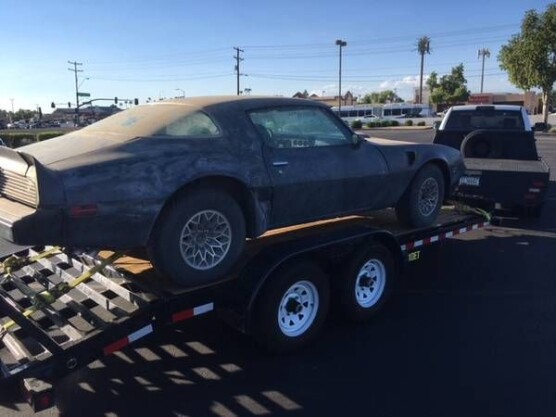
x: 86, y: 114
x: 529, y: 99
x: 347, y: 99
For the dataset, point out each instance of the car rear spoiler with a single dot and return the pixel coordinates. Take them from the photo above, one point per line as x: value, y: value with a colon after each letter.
x: 16, y: 161
x: 50, y: 188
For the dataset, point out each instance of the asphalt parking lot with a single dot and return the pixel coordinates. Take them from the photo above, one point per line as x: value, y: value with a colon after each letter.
x: 471, y: 331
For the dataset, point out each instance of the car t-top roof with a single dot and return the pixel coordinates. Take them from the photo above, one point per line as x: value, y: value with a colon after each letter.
x: 145, y: 120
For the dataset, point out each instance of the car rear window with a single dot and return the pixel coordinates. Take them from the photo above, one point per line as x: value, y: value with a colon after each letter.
x: 167, y: 119
x: 485, y: 119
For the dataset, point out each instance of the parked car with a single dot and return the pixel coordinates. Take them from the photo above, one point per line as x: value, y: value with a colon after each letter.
x: 189, y: 179
x: 503, y: 167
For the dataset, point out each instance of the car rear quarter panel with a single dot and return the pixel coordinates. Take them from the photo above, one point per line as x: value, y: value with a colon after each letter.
x: 131, y: 183
x: 405, y: 160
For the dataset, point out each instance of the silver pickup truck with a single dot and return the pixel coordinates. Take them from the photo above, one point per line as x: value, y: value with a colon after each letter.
x: 503, y: 168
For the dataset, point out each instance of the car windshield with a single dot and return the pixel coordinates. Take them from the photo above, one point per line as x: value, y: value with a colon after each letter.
x: 484, y: 119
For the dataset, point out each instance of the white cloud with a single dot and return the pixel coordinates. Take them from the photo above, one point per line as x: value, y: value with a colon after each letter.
x: 411, y: 81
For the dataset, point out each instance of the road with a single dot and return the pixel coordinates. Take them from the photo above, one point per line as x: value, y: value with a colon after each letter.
x: 470, y: 332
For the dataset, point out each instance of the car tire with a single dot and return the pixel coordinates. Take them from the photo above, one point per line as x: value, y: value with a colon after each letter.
x: 198, y: 238
x: 291, y: 308
x: 480, y: 144
x: 422, y: 200
x: 367, y: 283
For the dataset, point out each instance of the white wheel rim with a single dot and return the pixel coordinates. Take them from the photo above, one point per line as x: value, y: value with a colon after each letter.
x: 428, y: 196
x: 370, y: 283
x: 298, y: 308
x: 205, y: 239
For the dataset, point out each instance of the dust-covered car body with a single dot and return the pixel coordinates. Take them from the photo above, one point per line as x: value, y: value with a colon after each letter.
x: 283, y: 161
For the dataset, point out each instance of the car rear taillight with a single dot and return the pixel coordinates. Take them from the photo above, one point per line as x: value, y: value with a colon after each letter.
x: 86, y: 210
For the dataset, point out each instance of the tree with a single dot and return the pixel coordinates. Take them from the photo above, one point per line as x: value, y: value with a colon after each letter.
x: 423, y: 47
x: 530, y: 56
x: 450, y: 89
x: 23, y: 114
x: 381, y: 97
x: 432, y: 81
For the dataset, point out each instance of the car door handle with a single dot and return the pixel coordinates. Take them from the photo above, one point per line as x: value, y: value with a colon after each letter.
x: 280, y: 163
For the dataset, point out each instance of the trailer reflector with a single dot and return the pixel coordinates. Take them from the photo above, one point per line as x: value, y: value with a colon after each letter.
x: 192, y: 312
x: 427, y: 241
x: 120, y: 344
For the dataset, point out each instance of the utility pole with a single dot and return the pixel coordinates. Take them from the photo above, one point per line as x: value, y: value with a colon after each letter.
x: 485, y: 53
x: 12, y: 114
x: 75, y: 70
x: 238, y: 60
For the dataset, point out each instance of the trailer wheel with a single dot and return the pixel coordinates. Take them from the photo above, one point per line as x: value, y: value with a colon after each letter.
x: 291, y: 308
x: 367, y: 283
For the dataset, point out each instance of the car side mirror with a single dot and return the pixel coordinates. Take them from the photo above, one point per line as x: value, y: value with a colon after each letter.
x: 539, y: 127
x: 356, y: 139
x: 436, y: 125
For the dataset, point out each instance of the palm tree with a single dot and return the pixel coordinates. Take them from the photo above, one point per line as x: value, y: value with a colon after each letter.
x: 423, y: 47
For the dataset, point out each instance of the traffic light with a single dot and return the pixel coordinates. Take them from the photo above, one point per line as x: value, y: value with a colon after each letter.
x: 69, y: 104
x: 136, y: 101
x: 115, y: 100
x: 53, y: 105
x: 40, y: 113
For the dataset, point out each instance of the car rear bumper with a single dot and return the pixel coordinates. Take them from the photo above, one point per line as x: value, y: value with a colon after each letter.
x: 26, y: 225
x: 509, y: 183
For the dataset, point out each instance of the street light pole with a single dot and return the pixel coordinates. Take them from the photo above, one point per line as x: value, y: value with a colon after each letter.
x: 484, y: 53
x: 341, y: 44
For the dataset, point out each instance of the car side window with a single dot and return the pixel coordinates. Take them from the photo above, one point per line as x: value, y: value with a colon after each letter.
x: 194, y: 124
x: 298, y: 127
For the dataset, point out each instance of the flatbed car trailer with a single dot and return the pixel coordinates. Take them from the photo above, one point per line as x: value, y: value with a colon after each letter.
x: 60, y: 310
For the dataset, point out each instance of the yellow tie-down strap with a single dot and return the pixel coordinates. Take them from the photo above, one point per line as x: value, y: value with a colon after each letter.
x: 13, y: 263
x: 47, y: 297
x: 468, y: 209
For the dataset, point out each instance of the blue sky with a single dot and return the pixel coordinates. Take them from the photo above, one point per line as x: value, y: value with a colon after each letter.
x: 163, y: 48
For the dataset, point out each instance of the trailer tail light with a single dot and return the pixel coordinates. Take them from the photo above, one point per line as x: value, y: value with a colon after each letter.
x: 86, y: 210
x: 530, y: 196
x: 39, y: 394
x: 538, y: 184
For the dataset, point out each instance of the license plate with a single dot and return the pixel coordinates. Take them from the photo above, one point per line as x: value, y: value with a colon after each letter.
x: 472, y: 181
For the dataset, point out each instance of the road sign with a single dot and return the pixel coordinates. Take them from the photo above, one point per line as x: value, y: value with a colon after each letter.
x: 83, y: 94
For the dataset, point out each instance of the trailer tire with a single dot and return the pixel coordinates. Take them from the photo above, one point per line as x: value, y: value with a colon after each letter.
x: 367, y: 283
x: 291, y: 307
x: 182, y: 245
x: 421, y: 202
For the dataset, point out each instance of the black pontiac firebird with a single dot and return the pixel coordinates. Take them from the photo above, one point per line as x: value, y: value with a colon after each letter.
x: 190, y: 179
